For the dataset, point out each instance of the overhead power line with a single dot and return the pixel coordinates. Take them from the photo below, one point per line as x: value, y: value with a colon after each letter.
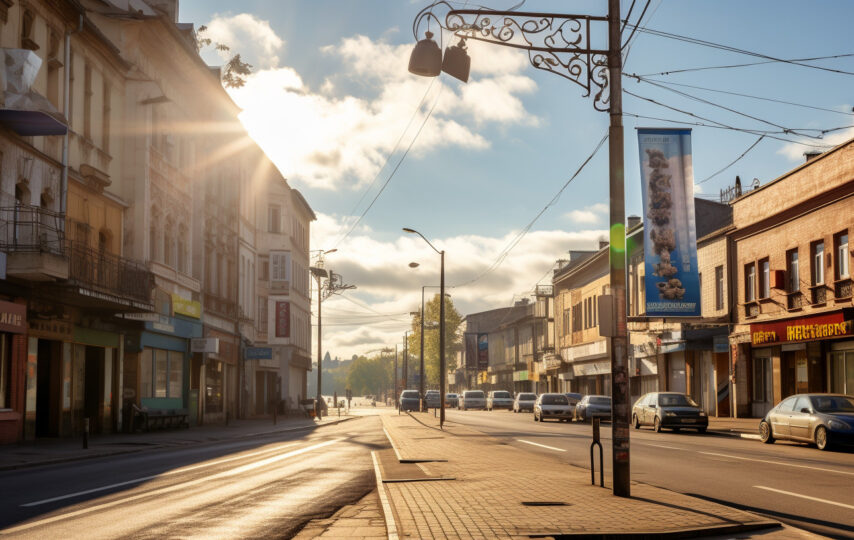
x: 751, y: 147
x: 748, y: 64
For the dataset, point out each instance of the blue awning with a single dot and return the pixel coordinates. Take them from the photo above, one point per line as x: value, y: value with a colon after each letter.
x: 31, y: 123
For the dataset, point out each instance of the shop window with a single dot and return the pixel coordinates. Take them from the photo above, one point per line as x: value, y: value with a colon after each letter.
x: 761, y: 367
x: 161, y: 373
x: 841, y: 372
x: 764, y: 278
x: 719, y: 288
x: 750, y: 282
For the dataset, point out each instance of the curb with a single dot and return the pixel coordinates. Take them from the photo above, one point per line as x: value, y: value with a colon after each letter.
x: 388, y: 513
x: 736, y: 434
x: 160, y: 446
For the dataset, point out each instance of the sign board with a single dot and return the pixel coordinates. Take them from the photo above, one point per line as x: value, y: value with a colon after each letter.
x: 258, y: 353
x: 13, y: 317
x: 204, y: 345
x: 188, y: 308
x: 832, y: 325
x: 670, y: 234
x: 482, y: 352
x: 283, y: 319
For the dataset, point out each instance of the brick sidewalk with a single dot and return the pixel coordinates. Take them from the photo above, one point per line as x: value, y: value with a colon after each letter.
x: 494, y: 480
x: 362, y: 520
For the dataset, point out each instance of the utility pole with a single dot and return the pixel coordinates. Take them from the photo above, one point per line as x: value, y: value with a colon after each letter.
x: 395, y: 375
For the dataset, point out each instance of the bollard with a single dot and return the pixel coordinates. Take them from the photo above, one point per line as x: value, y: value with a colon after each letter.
x: 85, y: 433
x: 601, y: 460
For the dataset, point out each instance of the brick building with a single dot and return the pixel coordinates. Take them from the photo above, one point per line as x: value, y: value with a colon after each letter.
x: 791, y: 274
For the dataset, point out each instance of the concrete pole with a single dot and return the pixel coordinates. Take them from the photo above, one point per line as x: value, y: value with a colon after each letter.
x: 619, y: 342
x: 442, y: 342
x: 319, y: 411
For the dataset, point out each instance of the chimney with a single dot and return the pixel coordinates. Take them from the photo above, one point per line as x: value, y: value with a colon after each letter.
x: 633, y: 221
x: 811, y: 155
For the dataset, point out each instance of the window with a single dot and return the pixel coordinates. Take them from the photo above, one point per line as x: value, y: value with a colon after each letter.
x: 761, y: 367
x: 841, y: 242
x: 264, y: 268
x: 750, y: 282
x: 274, y: 219
x: 87, y: 101
x: 803, y: 403
x: 764, y: 278
x: 262, y: 314
x: 105, y: 119
x: 161, y: 373
x: 280, y: 266
x: 5, y: 371
x: 792, y: 273
x: 719, y: 288
x: 818, y: 263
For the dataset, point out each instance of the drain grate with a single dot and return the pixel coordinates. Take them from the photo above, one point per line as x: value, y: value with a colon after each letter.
x: 544, y: 503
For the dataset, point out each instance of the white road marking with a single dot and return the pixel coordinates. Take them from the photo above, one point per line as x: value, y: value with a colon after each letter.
x: 390, y: 525
x: 542, y: 445
x: 168, y: 489
x: 663, y: 446
x: 167, y: 473
x: 779, y: 463
x: 825, y: 501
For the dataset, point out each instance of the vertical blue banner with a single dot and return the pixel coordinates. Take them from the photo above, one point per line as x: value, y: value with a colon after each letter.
x: 672, y: 280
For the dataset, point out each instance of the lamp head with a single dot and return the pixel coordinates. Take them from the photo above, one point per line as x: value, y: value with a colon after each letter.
x: 457, y: 62
x: 410, y: 231
x: 414, y: 265
x: 426, y: 57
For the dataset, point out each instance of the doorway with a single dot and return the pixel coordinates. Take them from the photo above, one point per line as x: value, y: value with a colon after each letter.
x: 47, y: 389
x: 94, y: 383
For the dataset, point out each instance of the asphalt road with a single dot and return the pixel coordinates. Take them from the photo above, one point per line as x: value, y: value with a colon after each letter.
x: 268, y: 486
x: 791, y: 482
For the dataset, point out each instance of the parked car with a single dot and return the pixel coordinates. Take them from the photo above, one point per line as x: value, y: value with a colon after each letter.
x: 472, y: 399
x: 554, y: 406
x: 524, y: 402
x: 499, y: 399
x: 594, y: 406
x: 574, y: 398
x: 410, y: 400
x: 432, y: 399
x: 452, y: 400
x: 825, y: 420
x: 668, y: 410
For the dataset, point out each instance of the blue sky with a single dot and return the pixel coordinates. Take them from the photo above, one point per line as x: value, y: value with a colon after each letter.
x: 330, y: 98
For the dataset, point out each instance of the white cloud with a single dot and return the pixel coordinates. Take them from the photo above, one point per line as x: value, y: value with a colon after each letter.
x: 247, y: 35
x: 380, y: 269
x: 795, y: 151
x: 325, y: 138
x: 589, y: 215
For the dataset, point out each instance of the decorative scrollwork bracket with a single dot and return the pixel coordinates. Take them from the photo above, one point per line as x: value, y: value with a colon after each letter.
x: 557, y: 43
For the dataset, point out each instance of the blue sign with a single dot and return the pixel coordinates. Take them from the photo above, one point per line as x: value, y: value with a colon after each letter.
x: 670, y: 233
x: 258, y: 353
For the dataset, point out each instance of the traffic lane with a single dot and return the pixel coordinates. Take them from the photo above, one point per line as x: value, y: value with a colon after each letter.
x: 35, y: 493
x: 773, y: 479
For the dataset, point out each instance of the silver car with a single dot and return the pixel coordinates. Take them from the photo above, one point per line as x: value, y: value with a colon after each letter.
x: 472, y: 399
x: 524, y: 402
x: 499, y: 399
x: 822, y: 419
x: 552, y: 406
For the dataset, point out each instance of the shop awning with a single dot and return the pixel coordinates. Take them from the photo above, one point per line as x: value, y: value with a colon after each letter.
x: 23, y: 110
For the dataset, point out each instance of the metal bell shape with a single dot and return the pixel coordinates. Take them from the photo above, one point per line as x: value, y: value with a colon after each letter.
x: 426, y: 58
x: 457, y: 62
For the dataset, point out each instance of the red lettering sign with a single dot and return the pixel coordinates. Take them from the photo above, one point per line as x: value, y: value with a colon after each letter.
x: 832, y: 325
x: 13, y: 317
x: 283, y: 319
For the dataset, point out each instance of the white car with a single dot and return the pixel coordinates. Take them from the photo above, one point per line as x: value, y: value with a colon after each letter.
x: 524, y: 402
x: 499, y: 399
x: 472, y: 399
x: 554, y: 406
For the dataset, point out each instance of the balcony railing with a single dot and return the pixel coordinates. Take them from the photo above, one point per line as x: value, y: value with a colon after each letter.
x: 818, y: 294
x: 842, y: 289
x: 794, y: 300
x: 221, y: 306
x: 109, y: 273
x: 26, y: 228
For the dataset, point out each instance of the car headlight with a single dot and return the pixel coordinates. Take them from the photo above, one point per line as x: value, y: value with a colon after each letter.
x: 670, y: 413
x: 837, y: 424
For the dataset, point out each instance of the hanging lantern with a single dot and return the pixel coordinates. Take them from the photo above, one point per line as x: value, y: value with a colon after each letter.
x: 426, y: 58
x: 457, y: 62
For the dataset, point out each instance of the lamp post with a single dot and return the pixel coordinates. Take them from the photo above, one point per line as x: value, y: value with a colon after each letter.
x: 441, y: 329
x: 560, y: 44
x: 319, y: 273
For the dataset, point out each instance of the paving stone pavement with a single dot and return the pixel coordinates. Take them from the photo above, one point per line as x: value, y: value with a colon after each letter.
x: 362, y: 520
x: 493, y: 480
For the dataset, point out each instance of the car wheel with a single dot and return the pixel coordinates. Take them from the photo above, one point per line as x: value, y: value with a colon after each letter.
x: 635, y: 421
x: 822, y: 441
x: 657, y: 425
x: 766, y: 434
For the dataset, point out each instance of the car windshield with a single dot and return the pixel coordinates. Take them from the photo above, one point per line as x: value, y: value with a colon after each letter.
x: 557, y: 399
x: 432, y: 392
x: 600, y: 400
x: 501, y: 394
x: 527, y: 397
x: 833, y: 404
x: 675, y: 400
x: 451, y: 395
x: 576, y: 397
x: 477, y: 394
x: 409, y: 394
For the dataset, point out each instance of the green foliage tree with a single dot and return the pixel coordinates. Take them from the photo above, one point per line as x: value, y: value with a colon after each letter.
x: 371, y: 375
x: 453, y: 339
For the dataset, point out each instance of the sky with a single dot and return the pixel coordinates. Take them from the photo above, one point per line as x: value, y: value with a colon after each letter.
x: 477, y: 167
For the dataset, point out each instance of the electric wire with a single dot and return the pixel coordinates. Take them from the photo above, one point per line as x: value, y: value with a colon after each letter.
x: 518, y: 238
x: 749, y: 148
x: 748, y: 64
x: 636, y: 25
x: 628, y: 16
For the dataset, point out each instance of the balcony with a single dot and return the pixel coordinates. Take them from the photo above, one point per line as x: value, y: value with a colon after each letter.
x: 221, y: 306
x: 842, y: 289
x: 818, y: 294
x: 110, y: 275
x: 794, y: 300
x: 34, y: 240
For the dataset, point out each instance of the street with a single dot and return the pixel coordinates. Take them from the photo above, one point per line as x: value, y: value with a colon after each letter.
x: 266, y: 486
x: 787, y: 481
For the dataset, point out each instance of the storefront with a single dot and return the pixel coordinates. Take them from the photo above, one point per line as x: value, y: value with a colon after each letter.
x: 13, y: 350
x: 591, y: 367
x: 221, y: 382
x: 644, y: 375
x: 807, y: 354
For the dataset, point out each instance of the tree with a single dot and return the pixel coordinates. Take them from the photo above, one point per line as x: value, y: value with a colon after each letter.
x: 371, y: 375
x: 453, y: 339
x: 235, y: 71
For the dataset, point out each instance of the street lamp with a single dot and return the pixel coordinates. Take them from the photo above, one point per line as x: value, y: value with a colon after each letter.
x: 441, y: 329
x: 561, y: 44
